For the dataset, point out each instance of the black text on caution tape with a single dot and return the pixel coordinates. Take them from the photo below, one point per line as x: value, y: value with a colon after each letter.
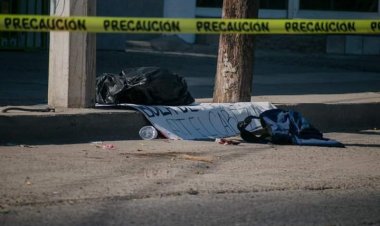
x: 375, y: 26
x: 320, y: 27
x: 141, y: 26
x: 232, y: 26
x: 45, y: 24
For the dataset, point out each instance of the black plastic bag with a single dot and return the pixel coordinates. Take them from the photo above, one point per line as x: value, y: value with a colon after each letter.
x: 143, y: 85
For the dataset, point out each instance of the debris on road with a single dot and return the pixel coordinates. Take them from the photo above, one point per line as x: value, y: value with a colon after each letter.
x: 27, y: 181
x: 100, y: 144
x: 227, y: 141
x: 192, y: 192
x: 27, y: 146
x: 16, y: 108
x: 198, y: 158
x: 172, y: 156
x: 108, y: 146
x: 97, y: 143
x: 4, y: 209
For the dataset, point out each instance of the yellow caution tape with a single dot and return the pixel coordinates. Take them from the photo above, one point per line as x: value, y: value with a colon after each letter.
x: 33, y: 23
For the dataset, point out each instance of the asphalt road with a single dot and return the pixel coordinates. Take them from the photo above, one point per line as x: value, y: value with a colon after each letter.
x: 360, y: 207
x: 164, y: 182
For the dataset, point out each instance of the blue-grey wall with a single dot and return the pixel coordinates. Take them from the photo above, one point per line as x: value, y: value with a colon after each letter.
x: 126, y: 8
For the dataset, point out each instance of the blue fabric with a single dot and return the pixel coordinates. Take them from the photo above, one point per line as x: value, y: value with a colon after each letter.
x: 317, y: 142
x: 290, y: 127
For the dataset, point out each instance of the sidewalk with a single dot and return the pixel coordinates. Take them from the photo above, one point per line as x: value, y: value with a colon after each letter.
x: 336, y: 93
x: 342, y: 113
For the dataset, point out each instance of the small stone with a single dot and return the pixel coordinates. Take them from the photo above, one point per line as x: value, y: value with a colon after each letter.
x: 192, y: 192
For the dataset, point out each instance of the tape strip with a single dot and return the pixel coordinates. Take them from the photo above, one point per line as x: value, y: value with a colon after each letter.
x: 32, y: 23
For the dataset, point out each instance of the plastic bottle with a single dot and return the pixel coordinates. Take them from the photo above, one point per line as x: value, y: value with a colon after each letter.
x: 148, y: 133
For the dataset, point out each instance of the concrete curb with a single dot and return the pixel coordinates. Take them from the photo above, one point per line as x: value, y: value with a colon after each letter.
x: 56, y: 128
x: 85, y: 125
x: 339, y: 117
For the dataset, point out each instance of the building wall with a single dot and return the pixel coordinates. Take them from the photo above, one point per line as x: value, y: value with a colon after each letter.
x: 201, y: 8
x: 126, y: 8
x: 181, y: 9
x: 308, y: 9
x: 23, y: 40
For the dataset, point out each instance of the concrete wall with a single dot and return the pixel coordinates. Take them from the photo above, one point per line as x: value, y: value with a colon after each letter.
x: 126, y: 8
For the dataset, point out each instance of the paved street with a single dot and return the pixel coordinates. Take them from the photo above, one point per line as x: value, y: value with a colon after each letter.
x: 164, y: 182
x: 262, y: 208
